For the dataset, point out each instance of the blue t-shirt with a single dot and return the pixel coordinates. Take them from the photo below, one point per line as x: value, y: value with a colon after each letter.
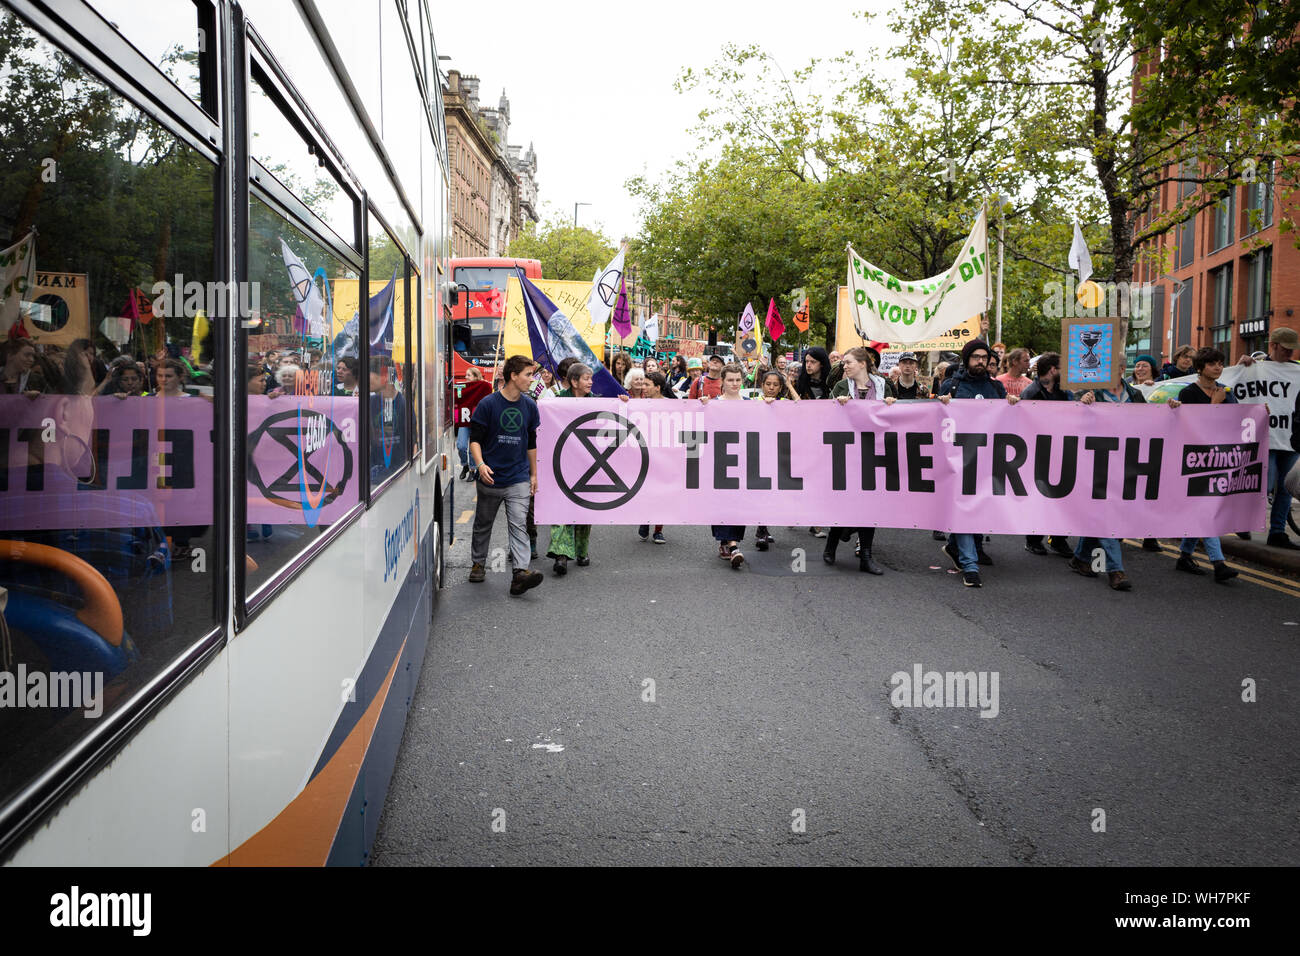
x: 511, y: 430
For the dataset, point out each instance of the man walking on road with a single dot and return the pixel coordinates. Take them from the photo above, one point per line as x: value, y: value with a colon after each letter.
x: 503, y: 446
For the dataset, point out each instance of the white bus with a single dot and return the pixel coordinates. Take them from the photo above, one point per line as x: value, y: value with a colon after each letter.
x: 224, y: 483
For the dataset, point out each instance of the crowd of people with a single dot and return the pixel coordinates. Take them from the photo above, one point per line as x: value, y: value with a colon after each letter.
x: 506, y: 463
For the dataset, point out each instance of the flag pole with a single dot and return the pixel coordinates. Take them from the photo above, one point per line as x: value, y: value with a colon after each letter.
x: 1002, y: 233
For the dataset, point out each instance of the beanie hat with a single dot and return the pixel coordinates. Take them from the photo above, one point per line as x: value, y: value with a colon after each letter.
x: 1150, y: 360
x: 972, y: 346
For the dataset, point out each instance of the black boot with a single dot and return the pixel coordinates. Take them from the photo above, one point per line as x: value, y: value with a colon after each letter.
x: 832, y: 542
x: 865, y: 563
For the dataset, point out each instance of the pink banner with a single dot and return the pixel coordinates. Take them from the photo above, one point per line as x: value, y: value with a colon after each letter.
x: 77, y: 462
x: 970, y: 466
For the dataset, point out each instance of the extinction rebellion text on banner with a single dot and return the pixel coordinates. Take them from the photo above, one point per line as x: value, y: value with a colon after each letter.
x: 973, y: 466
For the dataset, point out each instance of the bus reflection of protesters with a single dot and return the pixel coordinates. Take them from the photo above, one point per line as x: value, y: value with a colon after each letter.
x: 387, y: 419
x: 286, y: 377
x: 171, y: 382
x: 21, y: 373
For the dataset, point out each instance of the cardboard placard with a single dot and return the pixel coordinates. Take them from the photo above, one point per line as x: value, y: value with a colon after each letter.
x: 1092, y: 352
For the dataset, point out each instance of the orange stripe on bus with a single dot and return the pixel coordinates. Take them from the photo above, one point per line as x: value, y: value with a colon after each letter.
x: 303, y: 832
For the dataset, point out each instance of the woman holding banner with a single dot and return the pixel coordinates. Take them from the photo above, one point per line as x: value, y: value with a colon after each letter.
x: 860, y: 381
x: 729, y: 536
x: 1206, y: 390
x: 814, y: 383
x: 569, y: 541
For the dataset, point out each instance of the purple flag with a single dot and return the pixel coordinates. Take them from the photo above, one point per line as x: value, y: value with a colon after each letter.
x: 622, y: 319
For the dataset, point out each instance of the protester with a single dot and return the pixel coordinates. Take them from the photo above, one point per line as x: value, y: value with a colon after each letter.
x: 656, y: 386
x: 860, y: 382
x: 1181, y: 365
x: 469, y: 395
x: 1283, y: 346
x: 939, y: 377
x: 729, y: 536
x: 814, y: 383
x: 634, y: 382
x: 709, y: 385
x: 1206, y: 390
x: 1046, y: 388
x: 679, y: 379
x: 543, y: 382
x: 971, y: 381
x: 621, y: 365
x: 1144, y: 370
x: 347, y: 372
x: 504, y: 450
x: 387, y: 419
x: 908, y: 387
x: 569, y: 542
x: 171, y: 379
x: 1014, y: 379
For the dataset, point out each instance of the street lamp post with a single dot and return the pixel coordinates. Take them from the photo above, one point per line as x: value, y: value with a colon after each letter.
x: 575, y: 212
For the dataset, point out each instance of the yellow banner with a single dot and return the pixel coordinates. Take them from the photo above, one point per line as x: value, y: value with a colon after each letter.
x: 847, y: 337
x: 346, y: 303
x: 570, y: 298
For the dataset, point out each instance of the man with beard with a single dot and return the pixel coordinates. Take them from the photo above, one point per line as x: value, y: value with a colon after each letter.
x: 972, y: 381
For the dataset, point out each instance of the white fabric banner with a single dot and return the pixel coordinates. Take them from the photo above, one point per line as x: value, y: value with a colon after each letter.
x: 1275, y: 384
x: 1080, y: 257
x: 604, y: 290
x: 17, y: 277
x: 888, y: 309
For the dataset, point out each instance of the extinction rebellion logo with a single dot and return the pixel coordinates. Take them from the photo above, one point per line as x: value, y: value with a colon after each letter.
x: 602, y: 456
x: 1218, y: 470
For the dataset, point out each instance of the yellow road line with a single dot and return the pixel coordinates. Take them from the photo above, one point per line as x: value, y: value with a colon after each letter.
x: 464, y: 517
x: 1263, y: 578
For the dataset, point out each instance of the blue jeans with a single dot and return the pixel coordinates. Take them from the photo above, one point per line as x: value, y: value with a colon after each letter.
x: 964, y: 545
x: 1280, y: 464
x: 462, y: 448
x: 1114, y: 557
x: 1213, y: 550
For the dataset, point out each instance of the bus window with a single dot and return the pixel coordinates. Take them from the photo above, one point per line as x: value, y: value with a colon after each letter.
x: 109, y: 527
x: 391, y: 428
x: 303, y: 450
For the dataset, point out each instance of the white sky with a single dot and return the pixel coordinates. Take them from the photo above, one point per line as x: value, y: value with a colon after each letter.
x: 612, y: 66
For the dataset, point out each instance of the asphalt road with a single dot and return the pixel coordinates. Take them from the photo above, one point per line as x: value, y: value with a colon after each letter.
x: 529, y: 741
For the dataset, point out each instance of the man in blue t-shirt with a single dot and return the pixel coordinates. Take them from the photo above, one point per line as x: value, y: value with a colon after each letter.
x: 503, y: 445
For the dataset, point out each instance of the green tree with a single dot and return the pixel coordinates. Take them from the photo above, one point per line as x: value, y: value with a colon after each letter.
x: 565, y: 252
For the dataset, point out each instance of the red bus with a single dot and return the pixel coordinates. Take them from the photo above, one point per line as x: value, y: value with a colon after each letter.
x: 480, y: 305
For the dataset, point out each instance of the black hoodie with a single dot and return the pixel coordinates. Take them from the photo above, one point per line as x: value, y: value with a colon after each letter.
x: 807, y: 382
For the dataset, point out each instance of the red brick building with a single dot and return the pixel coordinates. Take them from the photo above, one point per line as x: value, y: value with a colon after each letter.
x: 1232, y: 277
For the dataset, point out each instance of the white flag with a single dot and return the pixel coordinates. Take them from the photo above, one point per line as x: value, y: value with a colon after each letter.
x: 652, y: 328
x: 604, y: 289
x: 17, y: 277
x: 305, y: 292
x: 1080, y: 259
x: 887, y: 309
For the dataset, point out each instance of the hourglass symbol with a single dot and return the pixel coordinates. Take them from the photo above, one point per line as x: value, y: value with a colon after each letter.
x: 1090, y: 338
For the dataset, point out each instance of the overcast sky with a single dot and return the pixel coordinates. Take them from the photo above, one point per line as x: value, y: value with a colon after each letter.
x: 592, y: 85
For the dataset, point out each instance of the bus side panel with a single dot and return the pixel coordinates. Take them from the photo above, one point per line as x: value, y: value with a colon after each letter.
x: 411, y: 634
x: 160, y: 801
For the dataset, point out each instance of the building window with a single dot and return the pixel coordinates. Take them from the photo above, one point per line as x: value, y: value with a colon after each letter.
x: 1259, y: 201
x: 1259, y: 287
x: 1221, y: 317
x: 1187, y: 242
x: 1224, y: 214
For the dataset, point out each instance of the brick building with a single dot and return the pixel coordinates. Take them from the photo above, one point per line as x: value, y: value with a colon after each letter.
x: 1232, y: 275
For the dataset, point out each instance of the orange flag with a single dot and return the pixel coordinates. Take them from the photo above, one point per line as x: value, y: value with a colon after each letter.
x: 801, y: 310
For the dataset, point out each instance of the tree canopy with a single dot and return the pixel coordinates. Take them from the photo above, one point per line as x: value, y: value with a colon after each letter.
x: 565, y: 252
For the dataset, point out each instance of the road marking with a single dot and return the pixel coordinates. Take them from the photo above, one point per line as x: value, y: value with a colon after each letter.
x: 1262, y: 578
x: 464, y: 517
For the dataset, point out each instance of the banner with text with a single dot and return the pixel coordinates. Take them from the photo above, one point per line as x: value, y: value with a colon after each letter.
x: 1109, y: 471
x: 888, y: 309
x: 847, y: 337
x: 1273, y: 384
x: 76, y: 462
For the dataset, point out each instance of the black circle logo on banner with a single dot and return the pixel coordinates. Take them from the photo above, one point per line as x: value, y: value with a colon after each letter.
x: 622, y: 431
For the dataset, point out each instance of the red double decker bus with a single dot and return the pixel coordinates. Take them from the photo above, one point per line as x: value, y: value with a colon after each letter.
x: 480, y: 306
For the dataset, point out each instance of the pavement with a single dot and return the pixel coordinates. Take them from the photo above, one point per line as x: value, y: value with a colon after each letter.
x: 658, y: 707
x: 1257, y: 553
